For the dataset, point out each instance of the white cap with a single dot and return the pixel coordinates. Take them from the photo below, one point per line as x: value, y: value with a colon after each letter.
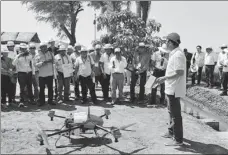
x: 10, y: 43
x: 98, y: 46
x: 108, y: 46
x: 43, y: 44
x: 91, y: 49
x: 23, y: 45
x: 62, y: 48
x: 209, y: 47
x: 163, y: 48
x: 117, y: 50
x: 70, y: 47
x: 224, y: 46
x: 32, y: 45
x: 141, y: 44
x: 84, y: 49
x: 51, y: 40
x: 77, y: 45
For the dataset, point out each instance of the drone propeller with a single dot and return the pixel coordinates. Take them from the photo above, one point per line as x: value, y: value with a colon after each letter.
x: 113, y: 129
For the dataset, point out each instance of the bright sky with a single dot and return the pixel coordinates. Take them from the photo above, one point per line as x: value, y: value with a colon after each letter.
x: 204, y: 22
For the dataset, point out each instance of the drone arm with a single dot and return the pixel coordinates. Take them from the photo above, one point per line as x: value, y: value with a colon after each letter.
x: 62, y: 131
x: 101, y: 128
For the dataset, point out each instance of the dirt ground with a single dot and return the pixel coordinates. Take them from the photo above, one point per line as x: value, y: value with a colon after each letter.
x: 18, y: 131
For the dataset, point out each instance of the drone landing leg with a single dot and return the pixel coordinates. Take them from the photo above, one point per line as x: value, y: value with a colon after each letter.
x: 95, y: 131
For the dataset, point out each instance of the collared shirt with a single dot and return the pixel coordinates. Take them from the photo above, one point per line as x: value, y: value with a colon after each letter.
x: 210, y: 58
x: 6, y: 65
x: 73, y: 57
x: 60, y: 60
x: 225, y: 63
x: 23, y: 63
x: 119, y: 65
x: 96, y: 58
x: 46, y: 69
x: 222, y: 56
x: 176, y: 86
x: 157, y: 57
x: 84, y: 69
x: 199, y: 59
x: 106, y: 60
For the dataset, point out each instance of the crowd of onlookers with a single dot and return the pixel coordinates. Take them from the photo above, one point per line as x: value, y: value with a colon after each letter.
x: 37, y: 67
x: 208, y: 60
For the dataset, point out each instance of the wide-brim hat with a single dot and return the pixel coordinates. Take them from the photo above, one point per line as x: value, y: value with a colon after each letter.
x: 98, y: 46
x: 23, y: 45
x: 108, y: 46
x: 209, y: 47
x: 10, y: 43
x: 83, y: 50
x: 223, y: 46
x: 62, y: 48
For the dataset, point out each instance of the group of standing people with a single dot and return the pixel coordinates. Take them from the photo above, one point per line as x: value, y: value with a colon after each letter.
x: 81, y: 67
x: 208, y: 60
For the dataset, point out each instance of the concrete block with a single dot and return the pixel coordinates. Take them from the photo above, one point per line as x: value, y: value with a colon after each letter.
x: 212, y: 123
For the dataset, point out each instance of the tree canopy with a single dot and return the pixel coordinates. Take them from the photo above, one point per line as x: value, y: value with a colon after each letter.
x: 126, y: 29
x: 62, y: 15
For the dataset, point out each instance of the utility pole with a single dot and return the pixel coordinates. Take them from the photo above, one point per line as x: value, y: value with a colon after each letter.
x: 95, y: 26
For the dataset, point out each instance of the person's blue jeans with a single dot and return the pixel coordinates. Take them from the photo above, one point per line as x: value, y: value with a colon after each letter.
x: 176, y: 127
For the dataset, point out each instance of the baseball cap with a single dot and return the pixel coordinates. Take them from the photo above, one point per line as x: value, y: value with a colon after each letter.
x: 174, y: 37
x: 117, y: 50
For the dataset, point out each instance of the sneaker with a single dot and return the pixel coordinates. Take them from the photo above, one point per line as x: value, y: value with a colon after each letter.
x: 174, y: 143
x: 167, y: 135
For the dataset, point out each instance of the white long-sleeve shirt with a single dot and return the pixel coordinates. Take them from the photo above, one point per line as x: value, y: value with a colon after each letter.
x: 119, y: 65
x: 23, y: 63
x: 199, y: 59
x: 221, y: 57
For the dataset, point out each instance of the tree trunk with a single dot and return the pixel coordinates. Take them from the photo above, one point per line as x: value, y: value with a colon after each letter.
x: 145, y: 10
x: 138, y: 8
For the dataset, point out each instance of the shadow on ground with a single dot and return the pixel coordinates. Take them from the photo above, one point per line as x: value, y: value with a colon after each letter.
x: 198, y: 147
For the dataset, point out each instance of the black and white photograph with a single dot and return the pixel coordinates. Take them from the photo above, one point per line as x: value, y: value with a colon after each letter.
x: 114, y: 77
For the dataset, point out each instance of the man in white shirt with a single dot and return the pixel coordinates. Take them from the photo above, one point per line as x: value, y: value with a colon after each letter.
x: 23, y: 63
x: 63, y: 66
x: 45, y: 63
x: 35, y: 75
x: 224, y: 63
x: 84, y: 67
x: 117, y: 65
x: 198, y: 60
x: 210, y: 62
x: 221, y: 57
x: 12, y: 54
x: 175, y: 88
x: 159, y: 62
x: 74, y: 56
x: 106, y: 71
